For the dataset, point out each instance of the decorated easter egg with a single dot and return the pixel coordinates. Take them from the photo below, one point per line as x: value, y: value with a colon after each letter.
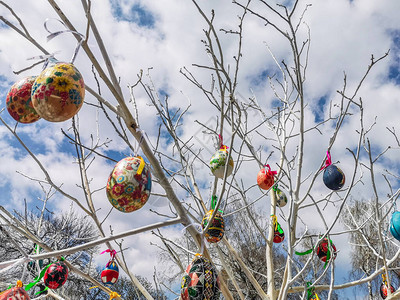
x: 15, y: 293
x: 265, y: 178
x: 333, y: 177
x: 281, y: 199
x: 384, y: 290
x: 19, y: 101
x: 58, y: 92
x: 110, y: 273
x: 314, y: 297
x: 216, y: 230
x: 218, y: 163
x: 395, y: 225
x: 56, y: 275
x: 279, y: 236
x: 322, y: 250
x: 200, y: 281
x: 129, y: 184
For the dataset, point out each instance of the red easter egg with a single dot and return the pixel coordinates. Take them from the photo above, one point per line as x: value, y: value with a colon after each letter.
x: 265, y: 179
x: 322, y: 250
x: 384, y: 290
x: 56, y: 275
x: 19, y: 101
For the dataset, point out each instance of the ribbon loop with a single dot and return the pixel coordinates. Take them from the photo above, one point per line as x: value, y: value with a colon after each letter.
x: 67, y: 30
x: 112, y: 253
x: 328, y: 161
x: 114, y: 295
x: 141, y: 165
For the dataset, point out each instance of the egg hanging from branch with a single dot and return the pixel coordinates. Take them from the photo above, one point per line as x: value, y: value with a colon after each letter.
x: 265, y: 178
x: 129, y: 184
x: 325, y: 249
x: 58, y: 92
x: 200, y: 280
x: 15, y: 293
x: 110, y: 273
x: 395, y: 225
x: 216, y: 230
x: 218, y: 163
x: 333, y: 178
x: 281, y: 199
x: 19, y: 102
x: 56, y: 275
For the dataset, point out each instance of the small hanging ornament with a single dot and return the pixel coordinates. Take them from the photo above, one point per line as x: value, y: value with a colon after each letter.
x: 265, y: 178
x: 281, y: 199
x: 110, y: 273
x: 216, y: 230
x: 56, y: 275
x: 324, y: 250
x: 218, y: 161
x: 333, y: 177
x: 58, y: 92
x: 129, y: 184
x: 279, y: 234
x: 19, y: 101
x: 15, y: 293
x: 395, y: 225
x: 200, y: 281
x: 384, y: 287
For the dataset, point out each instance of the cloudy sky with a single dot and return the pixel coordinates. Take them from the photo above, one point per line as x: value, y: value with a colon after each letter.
x: 166, y: 36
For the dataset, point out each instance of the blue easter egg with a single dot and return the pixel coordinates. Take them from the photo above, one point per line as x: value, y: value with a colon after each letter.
x: 333, y: 177
x: 395, y: 225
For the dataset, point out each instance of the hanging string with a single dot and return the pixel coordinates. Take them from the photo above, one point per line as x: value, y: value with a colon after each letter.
x: 328, y: 161
x: 57, y: 33
x: 221, y: 143
x: 214, y: 203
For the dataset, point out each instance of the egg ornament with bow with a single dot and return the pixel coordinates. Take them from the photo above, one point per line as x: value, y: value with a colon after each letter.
x: 325, y: 249
x: 58, y: 92
x: 265, y: 178
x: 15, y: 293
x: 129, y: 184
x: 218, y: 163
x: 110, y: 273
x: 56, y: 275
x: 217, y: 228
x: 19, y: 102
x: 200, y: 281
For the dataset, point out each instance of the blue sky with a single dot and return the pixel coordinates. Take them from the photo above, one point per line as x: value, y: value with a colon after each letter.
x: 166, y: 36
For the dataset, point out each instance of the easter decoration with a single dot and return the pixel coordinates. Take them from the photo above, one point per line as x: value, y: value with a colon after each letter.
x: 265, y: 178
x: 215, y: 232
x: 281, y: 199
x: 279, y: 235
x: 395, y: 225
x: 56, y: 275
x: 333, y: 177
x: 218, y: 161
x: 110, y: 273
x: 19, y: 102
x: 384, y: 287
x: 58, y: 92
x: 324, y: 251
x: 200, y: 281
x: 129, y: 184
x: 15, y: 293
